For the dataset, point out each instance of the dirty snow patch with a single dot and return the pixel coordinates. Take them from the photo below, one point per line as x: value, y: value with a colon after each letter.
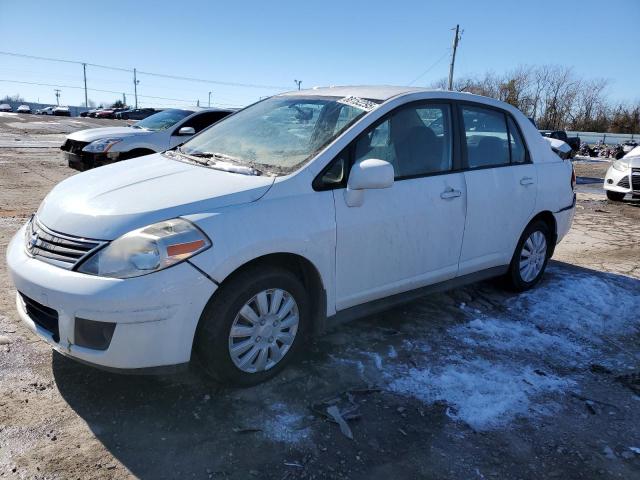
x: 484, y: 394
x: 284, y: 425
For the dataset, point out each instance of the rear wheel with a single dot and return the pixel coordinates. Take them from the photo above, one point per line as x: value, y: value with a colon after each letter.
x: 253, y: 326
x: 615, y: 196
x: 530, y: 258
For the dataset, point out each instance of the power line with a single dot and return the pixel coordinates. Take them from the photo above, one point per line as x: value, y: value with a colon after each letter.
x: 153, y: 74
x: 107, y: 91
x: 431, y: 67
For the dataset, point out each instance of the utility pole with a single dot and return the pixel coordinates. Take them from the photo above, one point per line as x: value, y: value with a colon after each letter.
x: 86, y: 98
x: 298, y: 82
x: 57, y: 96
x: 124, y: 99
x: 210, y: 99
x: 456, y: 39
x: 135, y: 86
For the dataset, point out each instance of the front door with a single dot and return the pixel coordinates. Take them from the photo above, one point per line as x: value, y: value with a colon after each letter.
x: 409, y: 235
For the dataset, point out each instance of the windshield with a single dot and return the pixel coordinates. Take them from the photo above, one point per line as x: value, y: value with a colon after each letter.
x: 162, y: 120
x: 279, y: 134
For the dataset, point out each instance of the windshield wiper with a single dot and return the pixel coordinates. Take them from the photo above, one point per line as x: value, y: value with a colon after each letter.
x: 225, y: 162
x: 217, y: 157
x: 190, y: 157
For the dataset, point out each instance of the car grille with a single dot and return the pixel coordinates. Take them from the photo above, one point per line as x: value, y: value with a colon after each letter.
x: 55, y: 248
x: 73, y: 146
x: 42, y: 316
x: 624, y: 182
x: 635, y: 179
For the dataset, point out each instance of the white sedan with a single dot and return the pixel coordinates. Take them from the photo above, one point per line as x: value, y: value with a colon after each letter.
x: 302, y: 210
x: 623, y: 176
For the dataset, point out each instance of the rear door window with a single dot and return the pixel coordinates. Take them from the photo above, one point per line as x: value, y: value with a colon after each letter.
x: 486, y: 136
x: 516, y: 145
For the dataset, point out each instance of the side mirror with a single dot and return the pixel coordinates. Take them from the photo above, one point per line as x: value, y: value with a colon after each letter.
x: 186, y: 131
x: 365, y: 175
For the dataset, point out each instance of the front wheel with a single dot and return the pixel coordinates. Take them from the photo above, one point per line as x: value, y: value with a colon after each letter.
x: 253, y: 326
x: 615, y: 196
x: 530, y: 258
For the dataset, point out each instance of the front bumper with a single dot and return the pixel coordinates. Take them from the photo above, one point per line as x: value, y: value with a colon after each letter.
x: 627, y: 181
x: 86, y: 160
x: 156, y: 315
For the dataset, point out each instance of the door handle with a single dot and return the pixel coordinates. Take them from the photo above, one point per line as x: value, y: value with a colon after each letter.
x: 526, y: 181
x: 450, y: 193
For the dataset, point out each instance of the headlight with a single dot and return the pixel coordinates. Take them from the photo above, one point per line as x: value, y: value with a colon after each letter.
x: 622, y: 165
x: 103, y: 145
x: 147, y: 250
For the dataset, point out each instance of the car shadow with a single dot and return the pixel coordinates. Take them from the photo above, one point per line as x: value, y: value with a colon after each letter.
x: 184, y: 425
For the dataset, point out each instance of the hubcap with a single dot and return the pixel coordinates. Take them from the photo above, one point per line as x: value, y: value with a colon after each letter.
x: 533, y: 256
x: 263, y: 331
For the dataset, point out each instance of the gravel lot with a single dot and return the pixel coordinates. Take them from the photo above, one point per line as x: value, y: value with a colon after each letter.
x: 474, y: 383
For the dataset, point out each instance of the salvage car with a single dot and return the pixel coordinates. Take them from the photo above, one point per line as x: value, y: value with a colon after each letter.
x: 298, y: 212
x: 86, y: 149
x: 573, y: 142
x: 623, y: 176
x: 5, y: 107
x: 61, y: 111
x: 24, y: 109
x: 135, y: 113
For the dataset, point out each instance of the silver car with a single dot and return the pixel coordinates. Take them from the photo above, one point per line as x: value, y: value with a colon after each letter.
x: 94, y: 147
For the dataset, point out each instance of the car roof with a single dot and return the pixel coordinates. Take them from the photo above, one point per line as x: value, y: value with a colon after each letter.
x: 385, y: 92
x: 208, y: 109
x: 374, y: 92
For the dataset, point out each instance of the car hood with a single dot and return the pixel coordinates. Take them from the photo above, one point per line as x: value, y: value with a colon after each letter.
x: 634, y: 161
x: 635, y: 152
x: 107, y: 202
x: 106, y: 132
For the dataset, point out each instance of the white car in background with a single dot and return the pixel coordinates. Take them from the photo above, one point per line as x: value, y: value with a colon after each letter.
x: 45, y: 111
x: 5, y: 107
x: 304, y: 209
x: 86, y: 149
x: 623, y: 176
x: 23, y: 109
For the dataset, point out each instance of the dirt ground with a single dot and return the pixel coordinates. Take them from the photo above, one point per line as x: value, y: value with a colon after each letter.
x: 476, y: 383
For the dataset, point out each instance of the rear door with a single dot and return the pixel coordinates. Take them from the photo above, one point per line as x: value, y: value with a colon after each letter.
x: 501, y: 186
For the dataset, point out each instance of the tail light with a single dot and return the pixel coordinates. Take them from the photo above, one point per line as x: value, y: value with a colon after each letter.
x: 573, y: 178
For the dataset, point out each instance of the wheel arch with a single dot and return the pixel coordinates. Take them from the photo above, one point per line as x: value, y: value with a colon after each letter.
x: 304, y: 270
x: 547, y: 217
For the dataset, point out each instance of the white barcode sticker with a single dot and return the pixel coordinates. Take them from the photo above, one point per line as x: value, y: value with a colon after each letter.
x: 357, y: 102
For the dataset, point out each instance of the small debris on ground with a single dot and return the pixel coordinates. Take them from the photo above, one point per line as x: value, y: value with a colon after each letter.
x: 337, y: 417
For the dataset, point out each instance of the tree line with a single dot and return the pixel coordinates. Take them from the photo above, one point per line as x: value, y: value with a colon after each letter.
x: 556, y: 98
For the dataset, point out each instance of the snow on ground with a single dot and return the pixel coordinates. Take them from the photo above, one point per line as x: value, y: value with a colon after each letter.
x: 494, y: 369
x: 282, y: 424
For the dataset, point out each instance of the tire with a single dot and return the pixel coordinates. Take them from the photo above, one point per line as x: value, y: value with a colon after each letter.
x: 615, y: 196
x: 213, y: 341
x: 518, y: 278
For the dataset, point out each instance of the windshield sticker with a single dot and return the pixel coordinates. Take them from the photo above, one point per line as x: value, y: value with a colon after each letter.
x: 361, y: 103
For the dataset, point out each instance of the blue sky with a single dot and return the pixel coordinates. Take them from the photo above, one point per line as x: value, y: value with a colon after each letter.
x: 321, y: 43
